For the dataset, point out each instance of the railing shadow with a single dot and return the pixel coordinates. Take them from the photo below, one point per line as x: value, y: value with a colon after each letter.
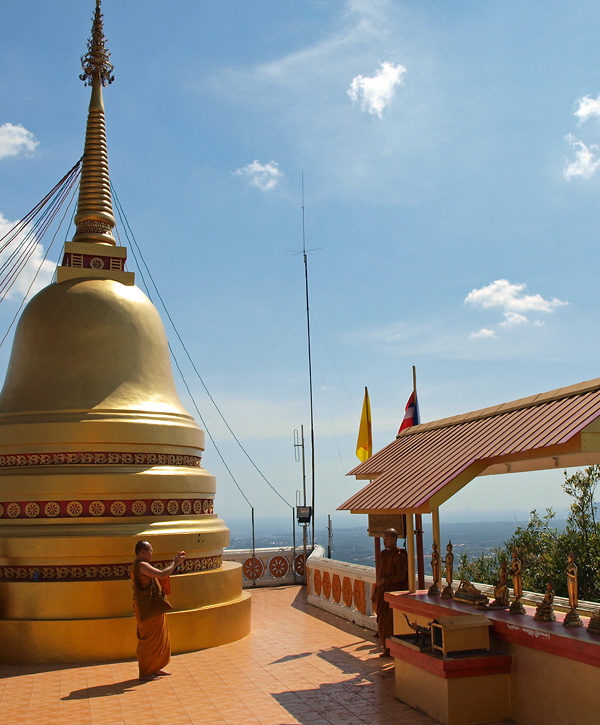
x: 366, y: 694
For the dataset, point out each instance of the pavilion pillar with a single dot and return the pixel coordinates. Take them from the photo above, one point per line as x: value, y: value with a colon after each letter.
x: 377, y: 544
x: 410, y: 543
x: 420, y: 556
x: 435, y: 529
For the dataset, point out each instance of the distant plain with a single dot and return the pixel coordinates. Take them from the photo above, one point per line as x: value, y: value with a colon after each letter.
x: 354, y: 545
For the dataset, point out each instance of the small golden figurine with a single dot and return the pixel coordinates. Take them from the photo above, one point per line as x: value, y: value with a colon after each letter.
x: 422, y: 634
x: 571, y: 617
x: 501, y: 589
x: 516, y: 569
x: 447, y: 591
x: 594, y: 623
x: 469, y: 594
x: 434, y: 589
x: 545, y: 610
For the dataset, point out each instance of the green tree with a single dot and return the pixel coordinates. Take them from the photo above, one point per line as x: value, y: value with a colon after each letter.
x: 483, y: 569
x: 536, y: 545
x: 582, y: 532
x: 543, y: 548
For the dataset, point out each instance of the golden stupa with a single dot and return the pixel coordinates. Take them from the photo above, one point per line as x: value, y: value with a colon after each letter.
x: 97, y: 451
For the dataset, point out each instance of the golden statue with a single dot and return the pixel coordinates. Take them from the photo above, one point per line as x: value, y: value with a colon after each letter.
x: 572, y: 581
x: 572, y: 618
x: 434, y: 589
x: 516, y: 569
x: 501, y: 589
x: 516, y: 572
x: 545, y: 610
x: 448, y: 592
x: 469, y: 594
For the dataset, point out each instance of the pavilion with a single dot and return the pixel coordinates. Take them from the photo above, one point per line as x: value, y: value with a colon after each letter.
x: 428, y: 463
x: 504, y: 664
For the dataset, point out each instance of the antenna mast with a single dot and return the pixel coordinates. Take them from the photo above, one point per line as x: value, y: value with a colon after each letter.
x: 310, y: 383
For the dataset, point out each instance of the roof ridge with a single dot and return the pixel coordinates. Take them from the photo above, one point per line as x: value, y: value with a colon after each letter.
x: 501, y: 408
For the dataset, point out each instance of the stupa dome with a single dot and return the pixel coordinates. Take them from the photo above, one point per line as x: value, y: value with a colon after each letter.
x: 90, y: 343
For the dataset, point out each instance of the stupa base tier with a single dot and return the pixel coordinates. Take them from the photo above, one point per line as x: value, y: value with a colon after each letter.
x: 89, y: 599
x: 116, y: 482
x: 110, y: 639
x: 94, y: 544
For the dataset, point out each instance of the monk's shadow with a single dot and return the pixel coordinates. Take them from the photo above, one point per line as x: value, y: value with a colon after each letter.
x: 114, y: 688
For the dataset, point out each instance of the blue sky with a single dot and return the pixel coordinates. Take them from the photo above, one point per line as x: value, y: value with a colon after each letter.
x: 451, y: 160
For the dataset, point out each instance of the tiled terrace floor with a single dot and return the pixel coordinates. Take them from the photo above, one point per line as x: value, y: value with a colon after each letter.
x: 299, y: 665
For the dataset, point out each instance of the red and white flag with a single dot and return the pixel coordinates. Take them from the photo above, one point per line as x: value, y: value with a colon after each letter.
x: 411, y: 413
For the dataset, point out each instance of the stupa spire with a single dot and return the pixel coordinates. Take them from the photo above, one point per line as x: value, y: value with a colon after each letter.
x: 94, y: 219
x: 93, y: 251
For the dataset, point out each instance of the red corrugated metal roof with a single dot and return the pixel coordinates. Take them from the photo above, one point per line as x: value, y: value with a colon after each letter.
x: 428, y: 463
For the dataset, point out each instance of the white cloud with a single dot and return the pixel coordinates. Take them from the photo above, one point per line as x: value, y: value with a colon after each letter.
x: 513, y: 318
x: 263, y: 176
x: 16, y: 140
x: 514, y: 301
x: 587, y: 108
x: 483, y: 333
x: 586, y: 161
x: 22, y: 282
x: 511, y: 297
x: 376, y: 92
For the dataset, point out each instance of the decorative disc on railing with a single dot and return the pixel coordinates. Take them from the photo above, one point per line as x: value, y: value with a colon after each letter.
x: 299, y: 564
x: 279, y: 566
x: 253, y: 568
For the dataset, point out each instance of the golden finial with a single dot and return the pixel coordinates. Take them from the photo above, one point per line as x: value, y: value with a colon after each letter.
x: 94, y: 219
x: 96, y: 62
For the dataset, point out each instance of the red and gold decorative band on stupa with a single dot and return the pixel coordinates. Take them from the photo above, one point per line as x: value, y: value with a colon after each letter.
x: 98, y: 508
x: 97, y: 572
x: 104, y: 457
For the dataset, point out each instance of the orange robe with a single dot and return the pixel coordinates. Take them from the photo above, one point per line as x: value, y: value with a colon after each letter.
x: 393, y: 568
x: 154, y: 643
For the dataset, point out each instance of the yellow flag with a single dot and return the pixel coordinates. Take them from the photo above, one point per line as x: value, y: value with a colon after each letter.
x: 364, y: 442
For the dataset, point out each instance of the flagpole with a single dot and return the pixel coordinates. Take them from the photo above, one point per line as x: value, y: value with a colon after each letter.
x: 364, y: 450
x: 414, y: 372
x: 419, y: 517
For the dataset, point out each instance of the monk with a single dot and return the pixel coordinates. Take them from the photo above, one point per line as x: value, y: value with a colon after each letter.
x: 154, y: 644
x: 392, y: 576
